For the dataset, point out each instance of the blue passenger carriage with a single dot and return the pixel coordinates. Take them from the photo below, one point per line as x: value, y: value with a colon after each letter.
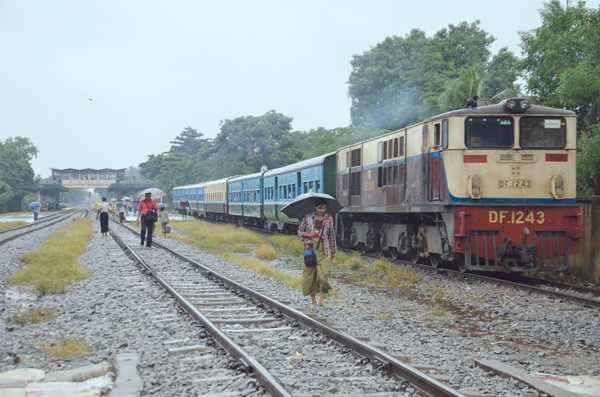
x: 244, y: 199
x: 282, y: 185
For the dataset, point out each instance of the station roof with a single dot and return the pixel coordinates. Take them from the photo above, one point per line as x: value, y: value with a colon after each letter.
x: 44, y: 188
x: 93, y: 170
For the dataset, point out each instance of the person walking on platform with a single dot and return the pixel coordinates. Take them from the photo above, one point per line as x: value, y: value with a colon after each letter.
x: 103, y: 215
x: 121, y: 212
x: 147, y: 224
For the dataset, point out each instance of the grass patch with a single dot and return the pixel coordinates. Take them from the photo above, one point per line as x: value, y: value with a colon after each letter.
x: 33, y: 316
x: 440, y: 293
x: 266, y: 252
x: 252, y: 264
x: 67, y: 348
x: 343, y: 261
x: 439, y: 313
x: 289, y: 245
x: 11, y: 225
x: 52, y: 266
x: 381, y: 316
x: 385, y: 270
x: 217, y: 238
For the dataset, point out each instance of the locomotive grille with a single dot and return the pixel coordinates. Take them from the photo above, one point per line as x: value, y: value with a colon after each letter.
x: 527, y: 157
x: 509, y: 157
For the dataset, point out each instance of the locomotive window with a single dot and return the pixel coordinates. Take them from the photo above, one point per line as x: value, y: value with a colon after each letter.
x: 543, y: 132
x: 436, y: 134
x: 445, y: 134
x: 489, y: 131
x: 385, y: 150
x: 401, y: 146
x: 356, y: 160
x: 390, y: 148
x: 396, y: 147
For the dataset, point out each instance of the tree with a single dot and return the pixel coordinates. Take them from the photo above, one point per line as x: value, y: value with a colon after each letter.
x: 588, y: 162
x: 15, y: 168
x: 557, y: 55
x: 397, y: 82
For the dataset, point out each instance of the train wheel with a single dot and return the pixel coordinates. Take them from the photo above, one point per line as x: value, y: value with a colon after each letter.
x: 414, y: 256
x: 394, y: 253
x: 435, y: 260
x: 460, y: 264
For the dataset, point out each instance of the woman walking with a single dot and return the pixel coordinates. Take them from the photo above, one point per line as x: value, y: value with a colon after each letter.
x: 317, y: 225
x: 147, y: 224
x: 163, y: 217
x: 103, y: 215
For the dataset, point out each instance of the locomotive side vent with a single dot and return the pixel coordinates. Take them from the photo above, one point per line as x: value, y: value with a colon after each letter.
x: 505, y: 157
x: 529, y: 157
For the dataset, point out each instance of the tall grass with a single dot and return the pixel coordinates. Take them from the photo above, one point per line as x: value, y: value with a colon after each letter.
x: 386, y: 271
x: 288, y: 245
x: 252, y: 264
x: 52, y: 266
x: 217, y: 238
x: 343, y: 261
x: 10, y: 225
x: 265, y: 252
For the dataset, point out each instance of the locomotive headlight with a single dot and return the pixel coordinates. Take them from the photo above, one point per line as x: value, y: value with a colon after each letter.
x: 557, y: 187
x: 474, y: 182
x: 516, y: 105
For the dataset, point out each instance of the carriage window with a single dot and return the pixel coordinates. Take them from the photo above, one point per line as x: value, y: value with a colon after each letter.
x: 390, y: 148
x: 543, y: 132
x: 317, y: 186
x: 489, y: 131
x: 293, y: 191
x: 310, y: 186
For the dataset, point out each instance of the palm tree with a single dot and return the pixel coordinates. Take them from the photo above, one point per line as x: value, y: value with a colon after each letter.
x: 469, y: 85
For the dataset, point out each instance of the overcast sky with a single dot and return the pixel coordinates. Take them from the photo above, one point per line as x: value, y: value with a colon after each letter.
x: 153, y: 68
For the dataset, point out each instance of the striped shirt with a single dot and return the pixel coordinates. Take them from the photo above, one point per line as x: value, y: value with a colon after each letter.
x: 328, y: 233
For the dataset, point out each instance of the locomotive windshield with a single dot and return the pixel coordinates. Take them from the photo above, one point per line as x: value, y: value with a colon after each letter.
x: 546, y: 132
x: 489, y: 131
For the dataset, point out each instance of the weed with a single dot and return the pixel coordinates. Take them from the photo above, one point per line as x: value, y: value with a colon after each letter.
x: 392, y: 273
x: 216, y: 238
x: 439, y: 312
x: 33, y: 316
x: 67, y: 348
x: 343, y: 261
x: 381, y: 316
x: 440, y: 293
x: 266, y: 252
x: 54, y: 264
x: 252, y: 264
x: 10, y: 225
x: 289, y: 245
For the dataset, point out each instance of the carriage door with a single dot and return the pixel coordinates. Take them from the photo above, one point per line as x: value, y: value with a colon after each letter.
x: 435, y: 169
x: 355, y: 174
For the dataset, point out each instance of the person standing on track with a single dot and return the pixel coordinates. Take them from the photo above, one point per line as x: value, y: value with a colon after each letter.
x: 103, y: 215
x: 163, y: 217
x: 314, y: 225
x: 147, y: 226
x: 121, y: 212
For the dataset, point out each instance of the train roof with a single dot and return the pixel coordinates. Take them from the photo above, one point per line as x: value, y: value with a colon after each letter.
x: 300, y: 165
x: 222, y: 180
x: 499, y: 109
x: 244, y: 177
x: 187, y: 186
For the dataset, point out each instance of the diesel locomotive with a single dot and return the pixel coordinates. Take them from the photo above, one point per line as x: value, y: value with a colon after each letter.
x: 488, y: 188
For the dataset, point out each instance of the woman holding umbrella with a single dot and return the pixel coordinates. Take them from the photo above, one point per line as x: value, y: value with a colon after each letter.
x: 318, y: 225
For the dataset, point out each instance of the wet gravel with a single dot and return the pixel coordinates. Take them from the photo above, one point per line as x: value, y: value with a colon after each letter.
x: 441, y: 322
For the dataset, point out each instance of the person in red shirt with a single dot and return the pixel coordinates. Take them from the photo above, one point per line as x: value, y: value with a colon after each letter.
x: 146, y: 205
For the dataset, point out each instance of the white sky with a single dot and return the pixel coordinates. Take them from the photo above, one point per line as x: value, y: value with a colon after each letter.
x: 153, y: 68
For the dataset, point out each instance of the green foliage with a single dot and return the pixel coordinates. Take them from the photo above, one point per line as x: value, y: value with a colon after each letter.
x: 322, y: 141
x: 15, y: 168
x: 561, y: 61
x: 397, y: 82
x: 588, y: 162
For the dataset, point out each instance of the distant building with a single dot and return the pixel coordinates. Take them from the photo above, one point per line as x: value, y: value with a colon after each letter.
x: 87, y: 178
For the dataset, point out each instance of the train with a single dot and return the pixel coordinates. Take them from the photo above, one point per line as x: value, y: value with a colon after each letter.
x: 488, y: 188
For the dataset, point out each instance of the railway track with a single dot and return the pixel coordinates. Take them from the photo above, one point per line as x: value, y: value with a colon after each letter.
x: 239, y: 318
x: 38, y: 225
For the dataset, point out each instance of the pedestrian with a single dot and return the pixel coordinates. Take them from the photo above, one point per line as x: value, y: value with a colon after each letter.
x: 163, y: 216
x: 147, y: 224
x: 127, y: 207
x: 103, y: 215
x: 121, y: 212
x: 36, y: 213
x: 318, y: 225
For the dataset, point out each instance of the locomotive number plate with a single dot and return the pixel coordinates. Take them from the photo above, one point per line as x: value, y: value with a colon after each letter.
x: 514, y: 184
x: 517, y: 217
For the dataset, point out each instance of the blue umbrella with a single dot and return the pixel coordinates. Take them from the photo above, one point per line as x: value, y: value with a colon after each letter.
x: 34, y: 206
x: 305, y: 204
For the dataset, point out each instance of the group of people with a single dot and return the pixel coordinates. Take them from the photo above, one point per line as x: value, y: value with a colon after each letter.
x: 148, y: 224
x: 52, y: 206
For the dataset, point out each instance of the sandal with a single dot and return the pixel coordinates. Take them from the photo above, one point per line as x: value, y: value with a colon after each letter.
x: 313, y: 307
x: 324, y: 305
